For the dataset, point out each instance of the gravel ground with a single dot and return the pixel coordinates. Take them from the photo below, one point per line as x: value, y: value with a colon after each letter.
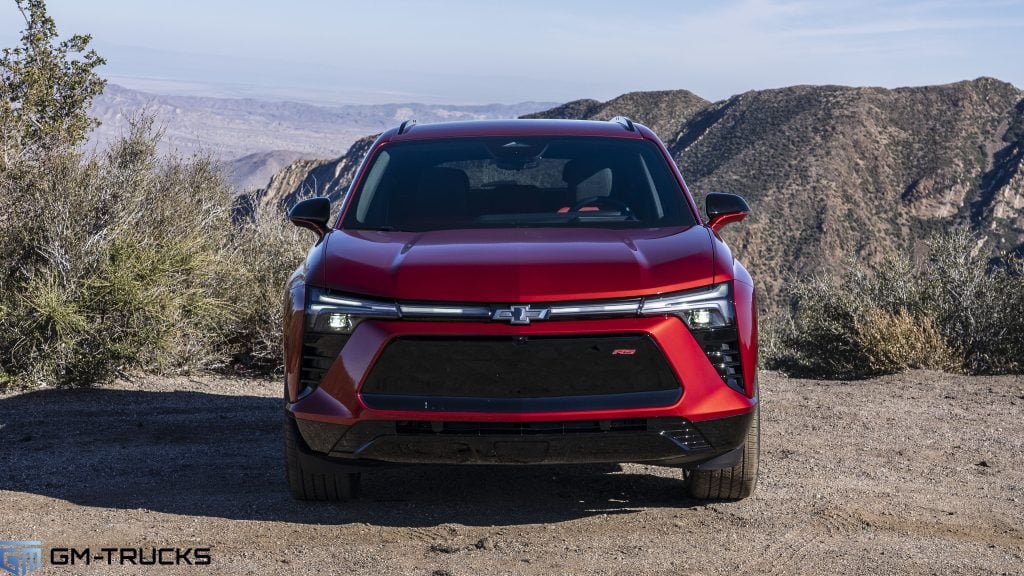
x: 921, y: 473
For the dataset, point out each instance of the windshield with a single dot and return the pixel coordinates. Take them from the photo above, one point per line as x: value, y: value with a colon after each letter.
x: 506, y: 182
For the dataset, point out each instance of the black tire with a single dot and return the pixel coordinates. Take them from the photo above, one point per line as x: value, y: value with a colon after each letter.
x: 734, y: 483
x: 311, y: 477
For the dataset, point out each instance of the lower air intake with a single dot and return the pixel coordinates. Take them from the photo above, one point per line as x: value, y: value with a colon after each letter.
x: 319, y: 351
x: 722, y: 347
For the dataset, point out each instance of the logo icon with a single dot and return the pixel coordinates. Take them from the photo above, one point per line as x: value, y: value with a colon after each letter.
x: 523, y: 314
x: 21, y: 557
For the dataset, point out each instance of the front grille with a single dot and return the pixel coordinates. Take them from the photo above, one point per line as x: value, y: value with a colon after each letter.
x: 319, y: 351
x: 722, y: 348
x: 511, y: 368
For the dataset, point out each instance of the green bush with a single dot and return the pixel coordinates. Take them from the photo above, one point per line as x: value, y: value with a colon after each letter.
x: 954, y: 310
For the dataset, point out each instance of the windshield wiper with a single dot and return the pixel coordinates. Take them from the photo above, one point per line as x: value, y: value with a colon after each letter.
x: 601, y: 218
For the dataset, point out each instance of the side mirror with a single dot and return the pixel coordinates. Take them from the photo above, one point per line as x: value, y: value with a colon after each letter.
x: 312, y: 213
x: 724, y: 209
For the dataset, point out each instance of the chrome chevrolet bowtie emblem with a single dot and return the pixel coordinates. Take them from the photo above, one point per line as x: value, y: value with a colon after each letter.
x: 520, y: 314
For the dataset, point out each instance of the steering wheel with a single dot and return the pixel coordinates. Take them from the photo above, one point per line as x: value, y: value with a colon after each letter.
x: 601, y: 201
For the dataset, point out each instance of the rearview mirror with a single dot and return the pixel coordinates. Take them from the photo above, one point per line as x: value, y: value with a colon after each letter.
x: 724, y: 209
x: 312, y: 213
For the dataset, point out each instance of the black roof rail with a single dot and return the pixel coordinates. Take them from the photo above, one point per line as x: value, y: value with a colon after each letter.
x: 406, y: 126
x: 625, y: 122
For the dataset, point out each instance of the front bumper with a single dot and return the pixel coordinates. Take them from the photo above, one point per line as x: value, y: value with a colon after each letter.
x: 700, y: 394
x: 660, y: 441
x: 593, y: 413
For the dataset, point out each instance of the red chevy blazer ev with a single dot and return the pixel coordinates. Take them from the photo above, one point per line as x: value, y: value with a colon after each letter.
x: 520, y: 292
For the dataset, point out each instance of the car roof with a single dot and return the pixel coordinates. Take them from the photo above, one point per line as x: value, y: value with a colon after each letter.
x: 515, y: 127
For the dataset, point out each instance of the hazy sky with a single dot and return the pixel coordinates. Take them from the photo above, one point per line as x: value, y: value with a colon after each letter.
x: 479, y: 52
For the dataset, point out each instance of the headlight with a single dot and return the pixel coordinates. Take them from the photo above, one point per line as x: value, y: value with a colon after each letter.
x: 340, y: 314
x: 709, y: 307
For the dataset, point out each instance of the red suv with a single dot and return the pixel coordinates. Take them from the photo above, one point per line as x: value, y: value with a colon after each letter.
x: 520, y: 292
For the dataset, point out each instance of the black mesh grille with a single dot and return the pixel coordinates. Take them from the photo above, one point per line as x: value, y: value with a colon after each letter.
x: 520, y: 428
x: 319, y: 351
x: 520, y: 367
x: 722, y: 348
x: 683, y: 432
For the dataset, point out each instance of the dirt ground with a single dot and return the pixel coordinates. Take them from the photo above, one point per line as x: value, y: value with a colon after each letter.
x: 921, y: 473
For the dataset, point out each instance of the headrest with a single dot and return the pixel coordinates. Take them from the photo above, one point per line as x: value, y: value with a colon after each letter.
x: 588, y: 178
x: 442, y: 194
x: 438, y: 183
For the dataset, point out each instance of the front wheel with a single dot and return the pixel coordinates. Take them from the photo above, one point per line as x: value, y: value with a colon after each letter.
x: 311, y: 477
x: 734, y: 483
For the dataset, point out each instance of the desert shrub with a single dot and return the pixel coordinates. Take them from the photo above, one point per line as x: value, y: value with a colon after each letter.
x: 839, y: 331
x: 264, y: 250
x: 895, y: 341
x: 775, y: 333
x: 954, y: 310
x: 977, y: 303
x: 111, y: 262
x: 132, y: 260
x: 824, y: 337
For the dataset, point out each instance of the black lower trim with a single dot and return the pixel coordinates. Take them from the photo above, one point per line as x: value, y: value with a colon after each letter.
x: 725, y: 432
x: 660, y: 441
x: 724, y: 461
x: 412, y: 427
x: 570, y: 449
x: 651, y: 399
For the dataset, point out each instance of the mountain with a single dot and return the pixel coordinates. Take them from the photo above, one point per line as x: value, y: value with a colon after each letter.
x: 832, y: 171
x: 232, y: 128
x: 663, y: 111
x: 254, y: 170
x: 308, y: 178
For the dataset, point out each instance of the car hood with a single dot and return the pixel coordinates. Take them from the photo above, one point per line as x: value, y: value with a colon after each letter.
x: 517, y: 265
